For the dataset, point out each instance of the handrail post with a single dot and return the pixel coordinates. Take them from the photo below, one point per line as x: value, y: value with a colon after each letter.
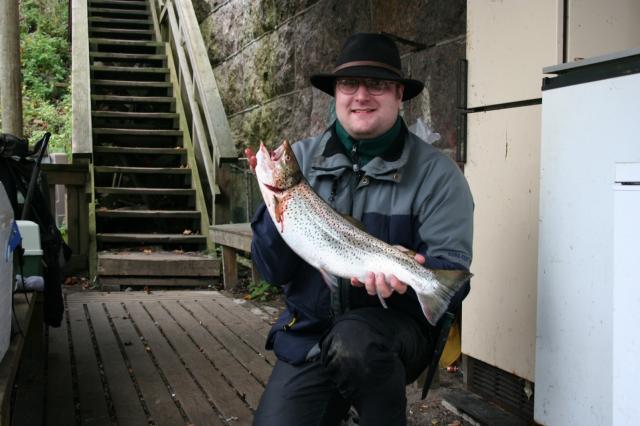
x: 81, y: 132
x: 81, y: 139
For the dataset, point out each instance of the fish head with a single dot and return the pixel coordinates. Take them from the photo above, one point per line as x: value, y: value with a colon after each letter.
x: 277, y: 170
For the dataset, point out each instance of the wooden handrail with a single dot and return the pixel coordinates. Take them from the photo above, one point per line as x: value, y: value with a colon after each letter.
x: 210, y: 132
x: 81, y: 138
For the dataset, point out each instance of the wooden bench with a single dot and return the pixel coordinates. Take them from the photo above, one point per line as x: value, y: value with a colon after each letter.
x: 11, y: 361
x: 233, y: 237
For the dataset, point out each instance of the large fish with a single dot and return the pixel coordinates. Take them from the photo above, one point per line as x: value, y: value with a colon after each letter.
x: 335, y: 246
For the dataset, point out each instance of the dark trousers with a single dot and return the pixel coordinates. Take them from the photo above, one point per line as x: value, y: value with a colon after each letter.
x: 366, y: 360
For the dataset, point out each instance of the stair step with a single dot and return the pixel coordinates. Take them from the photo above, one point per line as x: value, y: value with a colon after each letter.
x: 140, y: 132
x: 123, y: 31
x: 126, y: 83
x: 100, y: 19
x: 157, y: 264
x: 158, y: 214
x: 109, y: 68
x: 118, y: 11
x: 144, y: 151
x: 143, y: 170
x: 145, y: 99
x: 116, y: 41
x: 124, y: 3
x: 150, y: 238
x: 136, y: 56
x: 138, y: 115
x: 145, y: 191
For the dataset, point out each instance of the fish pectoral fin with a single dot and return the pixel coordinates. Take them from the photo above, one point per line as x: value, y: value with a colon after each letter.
x: 382, y: 301
x: 329, y: 279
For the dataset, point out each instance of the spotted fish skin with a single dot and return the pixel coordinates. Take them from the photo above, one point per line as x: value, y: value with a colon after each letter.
x: 330, y: 243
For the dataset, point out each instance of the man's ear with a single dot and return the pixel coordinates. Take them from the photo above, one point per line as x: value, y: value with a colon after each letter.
x: 399, y: 90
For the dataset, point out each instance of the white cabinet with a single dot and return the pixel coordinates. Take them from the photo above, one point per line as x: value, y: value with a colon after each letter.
x: 499, y: 315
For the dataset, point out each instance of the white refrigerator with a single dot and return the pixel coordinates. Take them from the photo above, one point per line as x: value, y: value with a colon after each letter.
x: 588, y: 306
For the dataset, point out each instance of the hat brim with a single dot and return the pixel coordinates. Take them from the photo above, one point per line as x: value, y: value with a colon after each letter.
x: 326, y: 82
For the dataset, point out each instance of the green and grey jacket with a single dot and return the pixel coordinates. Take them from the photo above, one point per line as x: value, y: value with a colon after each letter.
x: 413, y: 195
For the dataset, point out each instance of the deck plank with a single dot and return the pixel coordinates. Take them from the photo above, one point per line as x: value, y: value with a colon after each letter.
x: 157, y: 397
x: 93, y: 406
x: 259, y: 367
x: 123, y: 393
x: 29, y: 402
x: 230, y: 368
x: 224, y: 398
x: 60, y: 408
x: 191, y: 398
x: 252, y: 320
x: 166, y: 357
x: 243, y: 329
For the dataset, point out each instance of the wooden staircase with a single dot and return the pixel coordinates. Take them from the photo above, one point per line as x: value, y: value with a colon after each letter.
x: 151, y: 221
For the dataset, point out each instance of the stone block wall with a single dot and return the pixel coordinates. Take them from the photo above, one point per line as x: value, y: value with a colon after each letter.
x: 263, y: 52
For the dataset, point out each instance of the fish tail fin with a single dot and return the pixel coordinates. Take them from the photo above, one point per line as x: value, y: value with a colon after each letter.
x: 435, y: 304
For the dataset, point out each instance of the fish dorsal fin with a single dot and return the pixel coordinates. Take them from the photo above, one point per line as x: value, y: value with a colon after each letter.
x: 355, y: 222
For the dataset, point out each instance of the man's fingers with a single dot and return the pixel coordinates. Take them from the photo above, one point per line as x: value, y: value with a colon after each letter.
x: 420, y: 258
x: 251, y: 157
x: 382, y: 288
x: 377, y: 284
x: 370, y: 284
x: 397, y: 285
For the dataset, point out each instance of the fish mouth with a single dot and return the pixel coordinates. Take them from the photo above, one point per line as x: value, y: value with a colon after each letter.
x: 273, y: 188
x: 277, y: 153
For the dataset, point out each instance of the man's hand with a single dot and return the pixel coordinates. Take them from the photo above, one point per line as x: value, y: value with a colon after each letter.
x: 251, y: 157
x: 376, y: 284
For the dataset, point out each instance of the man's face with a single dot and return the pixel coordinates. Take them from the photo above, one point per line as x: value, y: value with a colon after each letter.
x: 366, y: 116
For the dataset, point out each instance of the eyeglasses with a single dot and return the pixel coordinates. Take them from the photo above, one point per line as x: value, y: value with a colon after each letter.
x: 374, y: 87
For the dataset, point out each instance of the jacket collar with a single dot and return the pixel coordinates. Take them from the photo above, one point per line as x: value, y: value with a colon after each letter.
x: 329, y: 158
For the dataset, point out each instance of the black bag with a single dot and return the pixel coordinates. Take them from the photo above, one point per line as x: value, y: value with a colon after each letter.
x: 16, y: 174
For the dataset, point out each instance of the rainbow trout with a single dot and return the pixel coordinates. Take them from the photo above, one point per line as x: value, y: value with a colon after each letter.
x: 335, y: 246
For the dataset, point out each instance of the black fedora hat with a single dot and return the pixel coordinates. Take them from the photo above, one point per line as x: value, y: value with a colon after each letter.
x: 368, y: 55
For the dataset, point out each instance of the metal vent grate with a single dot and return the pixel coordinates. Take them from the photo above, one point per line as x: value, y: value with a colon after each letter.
x: 504, y: 389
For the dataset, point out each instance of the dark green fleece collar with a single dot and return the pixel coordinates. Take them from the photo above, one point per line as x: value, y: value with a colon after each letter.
x: 366, y: 149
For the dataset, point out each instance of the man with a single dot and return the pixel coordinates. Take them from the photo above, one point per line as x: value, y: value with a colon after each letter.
x: 342, y: 349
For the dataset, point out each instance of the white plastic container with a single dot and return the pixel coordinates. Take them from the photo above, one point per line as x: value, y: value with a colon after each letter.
x: 6, y: 273
x: 32, y: 249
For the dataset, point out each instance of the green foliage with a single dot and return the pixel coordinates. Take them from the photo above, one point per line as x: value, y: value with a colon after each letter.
x: 41, y: 116
x: 46, y: 16
x: 262, y: 291
x: 45, y: 62
x: 45, y: 71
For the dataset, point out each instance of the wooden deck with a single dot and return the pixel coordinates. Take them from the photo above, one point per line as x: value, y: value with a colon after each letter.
x: 165, y: 358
